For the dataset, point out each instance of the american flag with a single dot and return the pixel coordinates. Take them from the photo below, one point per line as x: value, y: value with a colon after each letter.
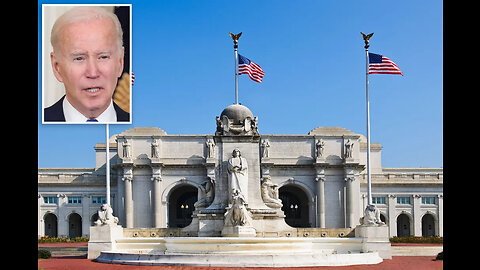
x: 379, y: 64
x: 254, y: 71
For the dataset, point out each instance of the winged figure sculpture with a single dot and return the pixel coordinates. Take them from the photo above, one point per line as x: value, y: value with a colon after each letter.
x: 235, y: 37
x: 366, y: 38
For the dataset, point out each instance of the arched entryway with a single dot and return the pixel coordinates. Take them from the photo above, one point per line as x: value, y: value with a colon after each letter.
x: 428, y: 225
x: 403, y: 225
x: 180, y: 206
x: 295, y: 206
x: 50, y: 224
x: 74, y: 225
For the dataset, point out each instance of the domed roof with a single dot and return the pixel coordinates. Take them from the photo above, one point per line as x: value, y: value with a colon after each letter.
x: 236, y: 112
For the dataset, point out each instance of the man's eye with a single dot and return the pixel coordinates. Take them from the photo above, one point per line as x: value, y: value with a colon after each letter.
x: 104, y: 57
x: 79, y: 58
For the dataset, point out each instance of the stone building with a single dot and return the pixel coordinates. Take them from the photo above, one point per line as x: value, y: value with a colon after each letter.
x: 180, y: 181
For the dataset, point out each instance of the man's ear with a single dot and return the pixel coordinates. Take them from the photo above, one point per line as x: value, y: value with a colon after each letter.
x: 120, y: 70
x: 56, y: 66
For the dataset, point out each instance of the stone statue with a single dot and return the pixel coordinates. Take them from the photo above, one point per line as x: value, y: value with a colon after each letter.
x: 269, y: 193
x: 255, y: 125
x: 372, y: 216
x: 348, y: 149
x: 210, y: 147
x: 238, y: 214
x: 105, y: 216
x: 219, y: 126
x: 238, y: 173
x: 155, y: 148
x: 208, y: 186
x: 126, y: 149
x: 265, y: 147
x: 319, y: 148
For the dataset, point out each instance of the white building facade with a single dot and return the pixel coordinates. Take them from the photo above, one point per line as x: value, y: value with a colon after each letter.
x: 156, y: 179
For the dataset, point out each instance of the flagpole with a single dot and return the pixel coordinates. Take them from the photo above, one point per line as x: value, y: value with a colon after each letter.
x: 369, y: 183
x: 107, y: 173
x: 235, y: 46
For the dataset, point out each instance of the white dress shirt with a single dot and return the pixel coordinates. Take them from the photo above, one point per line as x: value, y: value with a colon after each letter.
x: 74, y: 116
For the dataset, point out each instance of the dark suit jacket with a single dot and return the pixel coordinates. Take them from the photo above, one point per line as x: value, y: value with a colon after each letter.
x: 54, y: 113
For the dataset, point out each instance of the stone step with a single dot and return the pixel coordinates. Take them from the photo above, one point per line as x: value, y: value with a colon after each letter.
x: 73, y: 251
x: 239, y: 260
x: 416, y: 250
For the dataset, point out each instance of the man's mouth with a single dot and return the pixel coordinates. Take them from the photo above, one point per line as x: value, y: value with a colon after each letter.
x: 93, y: 89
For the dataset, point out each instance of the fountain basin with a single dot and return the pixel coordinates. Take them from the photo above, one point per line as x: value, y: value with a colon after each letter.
x: 239, y: 251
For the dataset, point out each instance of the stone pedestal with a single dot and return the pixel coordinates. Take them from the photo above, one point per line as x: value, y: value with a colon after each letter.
x: 375, y: 238
x: 210, y: 225
x: 102, y: 238
x: 238, y: 231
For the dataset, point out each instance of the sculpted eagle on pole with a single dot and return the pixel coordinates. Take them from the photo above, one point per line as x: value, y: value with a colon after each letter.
x: 366, y: 38
x: 235, y: 38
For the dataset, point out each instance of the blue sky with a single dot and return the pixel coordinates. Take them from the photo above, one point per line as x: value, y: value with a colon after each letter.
x: 314, y: 62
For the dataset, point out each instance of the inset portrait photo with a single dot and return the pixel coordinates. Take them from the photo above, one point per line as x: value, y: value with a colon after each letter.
x: 86, y: 72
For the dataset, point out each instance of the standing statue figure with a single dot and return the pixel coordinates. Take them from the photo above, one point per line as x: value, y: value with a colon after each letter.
x: 348, y: 149
x: 210, y: 147
x: 265, y: 147
x: 319, y: 148
x: 238, y: 173
x: 219, y: 126
x: 238, y: 214
x: 155, y: 148
x: 126, y: 149
x: 269, y: 193
x: 105, y: 216
x: 255, y: 125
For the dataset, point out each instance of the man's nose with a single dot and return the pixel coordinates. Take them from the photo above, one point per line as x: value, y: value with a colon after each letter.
x: 92, y: 70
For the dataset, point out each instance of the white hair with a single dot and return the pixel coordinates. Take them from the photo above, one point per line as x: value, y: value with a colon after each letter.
x: 85, y: 13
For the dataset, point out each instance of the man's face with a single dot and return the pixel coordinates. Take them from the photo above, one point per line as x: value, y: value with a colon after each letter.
x: 88, y: 63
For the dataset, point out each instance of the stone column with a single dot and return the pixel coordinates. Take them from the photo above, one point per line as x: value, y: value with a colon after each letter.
x: 440, y: 215
x: 352, y: 170
x: 157, y: 195
x: 127, y: 178
x: 120, y: 212
x: 157, y: 205
x: 86, y: 222
x: 41, y: 229
x: 320, y: 166
x: 350, y: 201
x: 320, y: 179
x: 392, y: 222
x: 62, y: 219
x: 417, y: 218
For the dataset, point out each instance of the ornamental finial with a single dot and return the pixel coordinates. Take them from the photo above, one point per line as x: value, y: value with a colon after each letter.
x: 366, y: 38
x: 235, y: 39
